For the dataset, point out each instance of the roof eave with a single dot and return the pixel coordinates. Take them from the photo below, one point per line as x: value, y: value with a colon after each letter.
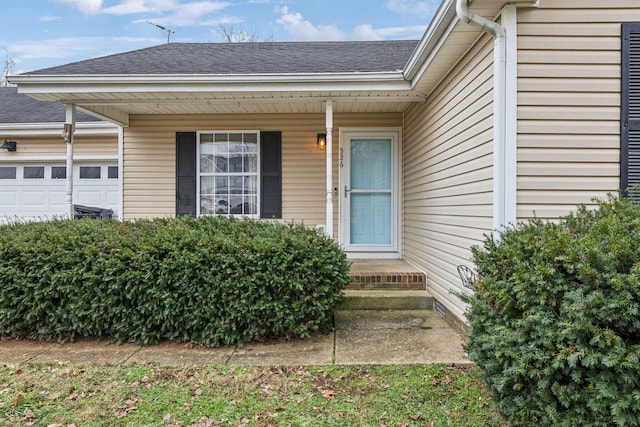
x: 228, y: 79
x: 439, y: 26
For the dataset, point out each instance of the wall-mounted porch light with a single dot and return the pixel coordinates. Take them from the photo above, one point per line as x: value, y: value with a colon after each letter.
x: 9, y: 145
x: 322, y: 141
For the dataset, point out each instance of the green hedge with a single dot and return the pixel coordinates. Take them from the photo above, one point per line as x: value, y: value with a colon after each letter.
x: 555, y: 318
x: 212, y: 280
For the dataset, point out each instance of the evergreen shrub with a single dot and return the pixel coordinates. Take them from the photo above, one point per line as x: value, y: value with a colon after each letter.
x: 555, y: 318
x: 212, y: 280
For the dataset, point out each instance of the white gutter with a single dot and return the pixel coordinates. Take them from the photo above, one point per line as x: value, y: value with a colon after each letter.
x: 500, y: 219
x: 186, y: 79
x: 53, y: 128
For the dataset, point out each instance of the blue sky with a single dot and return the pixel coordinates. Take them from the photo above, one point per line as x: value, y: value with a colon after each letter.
x: 42, y: 33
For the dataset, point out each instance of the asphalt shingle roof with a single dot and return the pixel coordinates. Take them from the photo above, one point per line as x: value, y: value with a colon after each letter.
x: 248, y: 58
x: 17, y: 108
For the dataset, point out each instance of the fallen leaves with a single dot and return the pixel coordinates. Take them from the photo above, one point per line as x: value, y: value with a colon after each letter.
x: 328, y: 394
x: 239, y: 396
x: 129, y: 406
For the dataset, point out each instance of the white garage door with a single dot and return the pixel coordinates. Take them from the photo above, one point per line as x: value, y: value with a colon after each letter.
x: 37, y: 190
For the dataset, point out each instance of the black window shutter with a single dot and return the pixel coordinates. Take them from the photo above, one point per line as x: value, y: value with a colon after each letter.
x: 271, y: 175
x: 185, y: 173
x: 630, y: 108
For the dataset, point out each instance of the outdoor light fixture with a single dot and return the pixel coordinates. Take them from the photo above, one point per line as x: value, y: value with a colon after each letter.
x: 9, y: 145
x: 322, y: 140
x: 67, y: 131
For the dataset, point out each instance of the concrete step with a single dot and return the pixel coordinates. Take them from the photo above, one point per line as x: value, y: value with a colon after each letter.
x: 387, y: 299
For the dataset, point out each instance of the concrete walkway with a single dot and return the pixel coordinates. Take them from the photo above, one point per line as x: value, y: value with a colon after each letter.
x: 361, y: 337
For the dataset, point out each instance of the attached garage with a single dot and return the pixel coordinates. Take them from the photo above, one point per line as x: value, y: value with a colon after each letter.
x: 33, y: 176
x: 36, y: 190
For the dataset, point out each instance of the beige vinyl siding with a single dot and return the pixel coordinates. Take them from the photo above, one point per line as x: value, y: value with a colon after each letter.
x: 448, y: 167
x: 102, y: 146
x: 149, y: 158
x: 568, y: 103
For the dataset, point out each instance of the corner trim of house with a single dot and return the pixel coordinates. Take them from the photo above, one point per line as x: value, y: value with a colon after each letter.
x: 459, y: 325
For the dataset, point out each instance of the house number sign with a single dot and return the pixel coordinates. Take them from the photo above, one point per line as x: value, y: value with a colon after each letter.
x: 341, y: 157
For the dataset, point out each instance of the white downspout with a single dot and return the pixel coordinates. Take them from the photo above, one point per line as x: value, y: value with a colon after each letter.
x: 500, y: 219
x: 67, y: 134
x: 329, y: 158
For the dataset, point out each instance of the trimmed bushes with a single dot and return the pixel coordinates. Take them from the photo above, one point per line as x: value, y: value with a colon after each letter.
x: 212, y: 280
x: 555, y: 318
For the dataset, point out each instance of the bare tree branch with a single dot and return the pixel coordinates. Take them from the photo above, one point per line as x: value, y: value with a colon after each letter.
x: 240, y: 35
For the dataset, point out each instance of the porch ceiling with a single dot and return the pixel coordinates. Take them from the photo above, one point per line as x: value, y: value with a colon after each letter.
x: 117, y: 106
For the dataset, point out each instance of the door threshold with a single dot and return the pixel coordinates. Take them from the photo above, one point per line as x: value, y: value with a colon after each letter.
x: 373, y: 255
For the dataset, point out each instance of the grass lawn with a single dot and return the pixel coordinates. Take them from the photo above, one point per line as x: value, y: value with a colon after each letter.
x: 137, y: 395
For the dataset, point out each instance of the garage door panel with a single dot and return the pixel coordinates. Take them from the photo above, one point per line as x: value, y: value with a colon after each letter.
x: 87, y: 197
x: 8, y: 198
x: 45, y: 197
x: 58, y: 198
x: 112, y: 198
x: 34, y: 198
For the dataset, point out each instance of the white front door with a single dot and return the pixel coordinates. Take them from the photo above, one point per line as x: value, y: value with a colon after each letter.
x: 369, y: 191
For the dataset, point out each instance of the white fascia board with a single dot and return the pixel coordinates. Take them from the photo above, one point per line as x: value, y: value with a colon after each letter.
x: 41, y: 159
x: 438, y: 30
x: 55, y: 128
x: 51, y: 84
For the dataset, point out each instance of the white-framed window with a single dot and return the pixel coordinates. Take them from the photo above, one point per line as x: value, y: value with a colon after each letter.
x: 90, y: 172
x: 228, y: 173
x: 33, y: 172
x: 58, y: 172
x: 8, y: 172
x: 112, y: 172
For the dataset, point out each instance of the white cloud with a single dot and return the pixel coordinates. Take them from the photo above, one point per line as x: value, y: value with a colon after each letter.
x: 301, y: 29
x: 76, y: 48
x: 88, y: 7
x: 48, y: 18
x: 128, y: 7
x: 413, y: 7
x: 172, y: 12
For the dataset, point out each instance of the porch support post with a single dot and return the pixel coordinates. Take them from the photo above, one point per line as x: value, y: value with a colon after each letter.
x: 67, y: 134
x: 329, y: 158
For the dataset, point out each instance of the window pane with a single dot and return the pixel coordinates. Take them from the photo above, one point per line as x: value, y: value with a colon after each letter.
x: 251, y: 137
x: 206, y: 157
x: 235, y: 157
x: 250, y: 185
x: 8, y: 172
x: 221, y: 151
x: 222, y: 195
x: 33, y: 172
x: 235, y: 137
x: 250, y: 157
x: 207, y: 196
x: 58, y: 172
x: 89, y: 172
x: 371, y: 164
x: 112, y: 172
